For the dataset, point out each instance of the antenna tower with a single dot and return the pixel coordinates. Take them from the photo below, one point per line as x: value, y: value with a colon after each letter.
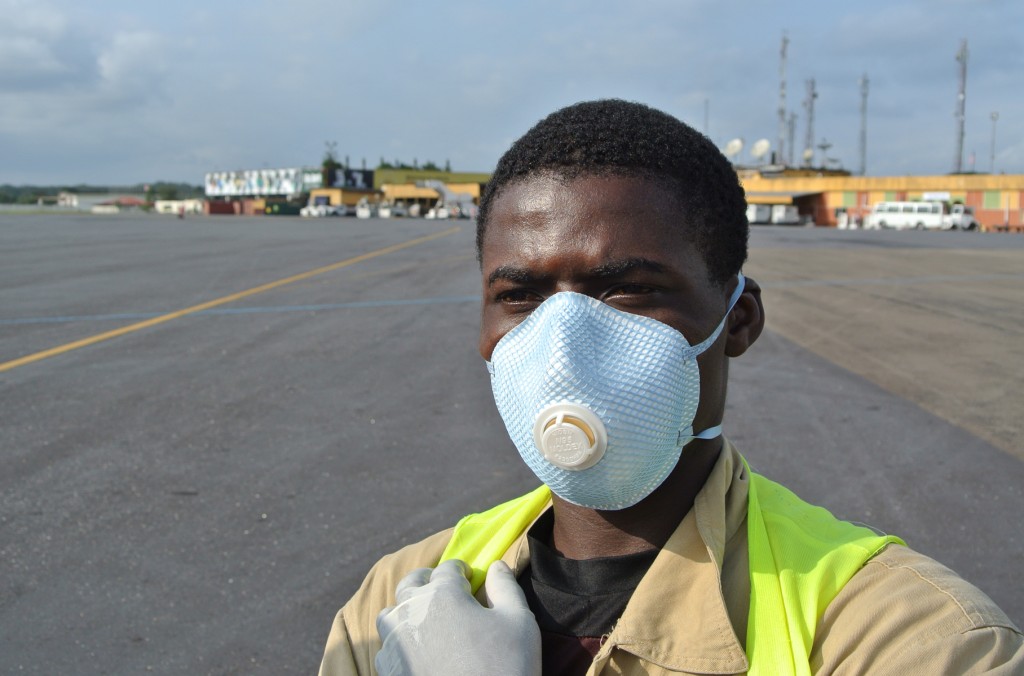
x: 812, y: 93
x: 781, y: 146
x: 992, y: 154
x: 961, y: 108
x: 863, y: 124
x: 792, y: 136
x: 825, y: 145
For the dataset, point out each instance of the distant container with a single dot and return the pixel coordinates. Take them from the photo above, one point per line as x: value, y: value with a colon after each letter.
x: 254, y: 207
x: 217, y: 208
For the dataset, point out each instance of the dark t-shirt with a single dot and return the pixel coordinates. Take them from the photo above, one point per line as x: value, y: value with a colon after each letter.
x: 576, y: 602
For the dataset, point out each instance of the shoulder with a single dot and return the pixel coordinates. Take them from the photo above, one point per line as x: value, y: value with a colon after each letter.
x: 353, y: 641
x: 905, y: 572
x: 378, y: 588
x: 904, y: 612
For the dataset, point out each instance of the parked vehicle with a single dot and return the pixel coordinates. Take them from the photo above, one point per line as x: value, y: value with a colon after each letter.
x: 776, y: 214
x: 759, y: 213
x: 785, y: 214
x: 364, y: 209
x: 439, y: 212
x: 961, y: 217
x: 923, y: 215
x: 323, y: 210
x: 903, y: 215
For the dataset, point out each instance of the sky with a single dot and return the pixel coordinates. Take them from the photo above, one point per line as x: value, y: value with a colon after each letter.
x: 124, y: 92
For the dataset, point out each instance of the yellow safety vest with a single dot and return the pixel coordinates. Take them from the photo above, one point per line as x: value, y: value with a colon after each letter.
x: 800, y: 558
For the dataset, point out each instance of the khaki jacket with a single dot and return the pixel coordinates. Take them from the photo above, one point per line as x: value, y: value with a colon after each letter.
x: 903, y: 613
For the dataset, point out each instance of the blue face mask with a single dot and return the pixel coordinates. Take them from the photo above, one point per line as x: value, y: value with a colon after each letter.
x: 599, y: 402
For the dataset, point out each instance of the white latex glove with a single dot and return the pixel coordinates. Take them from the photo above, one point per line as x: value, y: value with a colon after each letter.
x: 438, y: 628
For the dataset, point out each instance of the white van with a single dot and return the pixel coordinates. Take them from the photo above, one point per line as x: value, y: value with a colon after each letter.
x: 759, y: 213
x: 902, y: 215
x: 961, y: 217
x: 785, y: 214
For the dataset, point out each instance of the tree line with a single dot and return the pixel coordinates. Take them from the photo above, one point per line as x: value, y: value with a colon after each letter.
x: 160, y: 190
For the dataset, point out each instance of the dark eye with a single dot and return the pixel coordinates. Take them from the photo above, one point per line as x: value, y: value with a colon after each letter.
x: 518, y: 297
x: 630, y: 290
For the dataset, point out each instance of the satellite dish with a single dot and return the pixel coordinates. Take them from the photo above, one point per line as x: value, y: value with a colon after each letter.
x: 760, y: 148
x: 733, y: 147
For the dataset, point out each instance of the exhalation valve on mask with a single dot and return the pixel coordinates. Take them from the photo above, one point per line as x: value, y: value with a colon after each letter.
x: 570, y: 436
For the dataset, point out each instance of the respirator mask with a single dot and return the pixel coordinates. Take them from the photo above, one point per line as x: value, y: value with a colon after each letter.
x: 599, y: 402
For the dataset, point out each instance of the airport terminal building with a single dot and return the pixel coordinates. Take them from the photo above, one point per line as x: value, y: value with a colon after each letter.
x: 824, y: 197
x: 832, y: 198
x: 284, y: 191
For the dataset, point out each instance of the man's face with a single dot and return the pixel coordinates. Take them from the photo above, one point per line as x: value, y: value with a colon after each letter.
x: 616, y: 239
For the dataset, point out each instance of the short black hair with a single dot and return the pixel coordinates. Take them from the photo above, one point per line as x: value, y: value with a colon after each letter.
x: 613, y: 137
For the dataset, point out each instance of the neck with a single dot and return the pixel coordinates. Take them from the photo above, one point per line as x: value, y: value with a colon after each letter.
x: 583, y: 533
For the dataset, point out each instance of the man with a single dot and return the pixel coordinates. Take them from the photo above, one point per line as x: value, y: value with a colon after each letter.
x: 611, y: 239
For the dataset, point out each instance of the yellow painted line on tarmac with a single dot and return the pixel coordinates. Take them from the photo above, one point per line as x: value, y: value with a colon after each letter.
x: 138, y: 326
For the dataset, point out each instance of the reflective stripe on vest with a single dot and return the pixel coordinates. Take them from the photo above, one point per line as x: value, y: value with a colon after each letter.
x: 800, y: 558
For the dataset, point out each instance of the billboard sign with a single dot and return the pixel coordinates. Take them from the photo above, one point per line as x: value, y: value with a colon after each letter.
x: 292, y: 181
x: 354, y: 179
x: 256, y: 182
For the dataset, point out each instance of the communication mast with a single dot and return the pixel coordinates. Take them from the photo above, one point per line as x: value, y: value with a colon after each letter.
x: 961, y: 108
x: 863, y: 124
x: 782, y: 101
x: 792, y: 137
x: 825, y: 145
x: 812, y: 94
x: 992, y: 153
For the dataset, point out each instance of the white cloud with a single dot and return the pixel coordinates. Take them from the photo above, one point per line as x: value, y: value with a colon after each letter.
x: 32, y: 18
x: 23, y: 57
x: 69, y: 91
x: 132, y: 65
x: 28, y: 34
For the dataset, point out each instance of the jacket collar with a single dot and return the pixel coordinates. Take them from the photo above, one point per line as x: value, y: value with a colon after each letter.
x: 677, y: 617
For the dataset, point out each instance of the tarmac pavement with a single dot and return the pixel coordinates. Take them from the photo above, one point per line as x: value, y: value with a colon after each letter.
x: 201, y: 494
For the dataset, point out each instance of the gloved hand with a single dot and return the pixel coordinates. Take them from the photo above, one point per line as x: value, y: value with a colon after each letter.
x: 438, y: 627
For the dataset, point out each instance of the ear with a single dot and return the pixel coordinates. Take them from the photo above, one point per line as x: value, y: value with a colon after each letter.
x: 745, y: 321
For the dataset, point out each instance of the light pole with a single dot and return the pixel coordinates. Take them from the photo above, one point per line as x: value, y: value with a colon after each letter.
x: 992, y: 151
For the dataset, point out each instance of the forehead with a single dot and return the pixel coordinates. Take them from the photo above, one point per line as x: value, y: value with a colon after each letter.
x: 594, y: 217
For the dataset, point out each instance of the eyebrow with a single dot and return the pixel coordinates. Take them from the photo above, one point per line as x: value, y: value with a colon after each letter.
x: 605, y: 270
x: 626, y: 265
x: 512, y: 274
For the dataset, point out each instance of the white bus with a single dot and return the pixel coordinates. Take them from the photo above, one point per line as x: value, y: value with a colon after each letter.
x: 901, y: 215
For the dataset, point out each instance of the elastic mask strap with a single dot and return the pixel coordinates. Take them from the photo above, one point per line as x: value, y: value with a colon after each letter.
x: 710, y: 433
x: 737, y: 292
x: 687, y: 435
